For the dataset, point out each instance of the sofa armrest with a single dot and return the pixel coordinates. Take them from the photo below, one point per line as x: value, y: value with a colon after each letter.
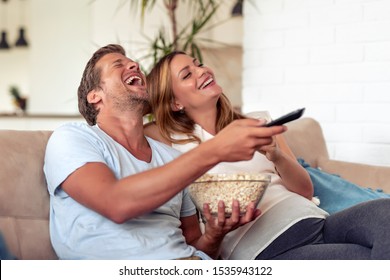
x: 375, y: 177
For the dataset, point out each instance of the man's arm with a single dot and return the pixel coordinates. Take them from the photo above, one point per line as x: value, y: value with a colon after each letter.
x: 123, y: 199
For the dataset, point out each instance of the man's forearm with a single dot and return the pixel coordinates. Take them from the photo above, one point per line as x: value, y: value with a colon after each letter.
x: 146, y: 191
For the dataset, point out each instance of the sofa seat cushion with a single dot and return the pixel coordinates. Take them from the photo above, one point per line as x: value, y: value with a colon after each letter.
x: 24, y: 207
x: 27, y: 238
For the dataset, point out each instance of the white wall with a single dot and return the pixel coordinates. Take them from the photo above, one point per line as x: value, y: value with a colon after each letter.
x: 63, y: 35
x: 60, y: 40
x: 49, y: 70
x: 330, y: 56
x: 14, y: 63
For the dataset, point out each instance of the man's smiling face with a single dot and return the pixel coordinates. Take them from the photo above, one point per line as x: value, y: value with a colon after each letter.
x: 122, y: 81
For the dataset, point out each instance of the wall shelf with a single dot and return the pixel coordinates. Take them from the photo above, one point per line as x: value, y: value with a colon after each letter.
x: 36, y: 121
x: 40, y: 116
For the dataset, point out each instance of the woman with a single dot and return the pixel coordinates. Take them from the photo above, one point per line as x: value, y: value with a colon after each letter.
x: 189, y: 107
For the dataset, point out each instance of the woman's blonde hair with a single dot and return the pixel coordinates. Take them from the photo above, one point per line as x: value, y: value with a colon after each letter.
x: 169, y: 122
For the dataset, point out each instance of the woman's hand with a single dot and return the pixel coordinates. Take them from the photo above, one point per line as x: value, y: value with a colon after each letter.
x: 271, y: 151
x: 294, y: 176
x: 277, y: 150
x: 218, y: 226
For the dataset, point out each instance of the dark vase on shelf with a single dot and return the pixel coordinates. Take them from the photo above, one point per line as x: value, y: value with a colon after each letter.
x: 21, y: 106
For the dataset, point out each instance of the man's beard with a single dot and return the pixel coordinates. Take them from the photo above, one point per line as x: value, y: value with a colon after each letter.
x: 131, y: 102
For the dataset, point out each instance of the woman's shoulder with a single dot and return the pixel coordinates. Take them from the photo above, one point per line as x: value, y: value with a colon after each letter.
x: 151, y: 130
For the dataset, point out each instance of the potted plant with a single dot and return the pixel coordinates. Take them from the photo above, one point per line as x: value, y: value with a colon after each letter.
x: 186, y: 34
x: 19, y: 101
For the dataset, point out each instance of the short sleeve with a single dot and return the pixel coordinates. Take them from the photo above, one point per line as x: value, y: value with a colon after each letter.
x: 188, y: 207
x: 70, y: 147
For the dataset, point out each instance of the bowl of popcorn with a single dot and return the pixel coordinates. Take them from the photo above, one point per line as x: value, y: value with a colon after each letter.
x: 214, y: 187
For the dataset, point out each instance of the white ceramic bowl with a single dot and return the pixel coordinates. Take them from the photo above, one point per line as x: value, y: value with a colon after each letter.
x: 244, y: 187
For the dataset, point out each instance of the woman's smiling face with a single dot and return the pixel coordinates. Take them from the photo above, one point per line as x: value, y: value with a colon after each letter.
x: 193, y: 84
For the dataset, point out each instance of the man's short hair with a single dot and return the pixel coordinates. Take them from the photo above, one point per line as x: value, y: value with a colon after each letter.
x: 91, y: 80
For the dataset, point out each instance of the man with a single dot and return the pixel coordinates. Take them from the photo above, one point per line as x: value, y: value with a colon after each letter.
x: 116, y: 194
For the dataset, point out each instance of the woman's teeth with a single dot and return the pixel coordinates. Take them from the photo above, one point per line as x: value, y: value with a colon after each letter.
x: 206, y: 83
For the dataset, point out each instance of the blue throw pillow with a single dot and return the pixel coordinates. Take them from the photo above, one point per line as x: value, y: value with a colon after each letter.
x: 335, y: 193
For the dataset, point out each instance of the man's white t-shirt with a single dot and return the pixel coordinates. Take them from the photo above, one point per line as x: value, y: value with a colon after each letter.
x: 78, y: 232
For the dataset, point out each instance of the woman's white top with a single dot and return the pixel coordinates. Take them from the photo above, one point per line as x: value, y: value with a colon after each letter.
x: 280, y: 207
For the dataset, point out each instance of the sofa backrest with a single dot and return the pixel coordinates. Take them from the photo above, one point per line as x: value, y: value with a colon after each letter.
x: 306, y: 140
x: 24, y: 199
x: 304, y: 137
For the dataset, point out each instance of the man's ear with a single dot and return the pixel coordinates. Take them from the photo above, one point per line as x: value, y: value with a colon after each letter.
x: 93, y: 96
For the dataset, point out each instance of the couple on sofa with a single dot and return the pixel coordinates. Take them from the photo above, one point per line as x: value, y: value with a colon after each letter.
x: 116, y: 194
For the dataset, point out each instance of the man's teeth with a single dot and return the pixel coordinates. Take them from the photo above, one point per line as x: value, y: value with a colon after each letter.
x: 206, y: 83
x: 134, y: 80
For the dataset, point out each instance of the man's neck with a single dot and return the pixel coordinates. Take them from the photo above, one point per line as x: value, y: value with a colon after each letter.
x: 129, y: 132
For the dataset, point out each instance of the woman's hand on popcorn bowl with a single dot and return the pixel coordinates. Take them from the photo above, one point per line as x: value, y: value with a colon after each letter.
x: 211, y: 188
x: 217, y: 226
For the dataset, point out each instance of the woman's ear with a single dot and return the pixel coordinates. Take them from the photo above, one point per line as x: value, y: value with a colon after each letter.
x: 176, y: 106
x: 93, y: 97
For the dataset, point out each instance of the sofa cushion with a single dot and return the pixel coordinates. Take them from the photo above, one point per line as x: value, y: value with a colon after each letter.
x: 365, y: 175
x: 24, y: 207
x: 336, y: 193
x: 21, y: 174
x: 306, y: 140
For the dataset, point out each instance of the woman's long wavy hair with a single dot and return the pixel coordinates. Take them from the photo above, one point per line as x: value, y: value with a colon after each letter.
x: 171, y: 122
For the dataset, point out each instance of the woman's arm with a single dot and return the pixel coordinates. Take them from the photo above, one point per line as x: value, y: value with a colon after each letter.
x: 294, y: 176
x: 216, y: 227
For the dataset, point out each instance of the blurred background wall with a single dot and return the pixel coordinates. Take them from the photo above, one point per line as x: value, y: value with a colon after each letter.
x: 330, y: 56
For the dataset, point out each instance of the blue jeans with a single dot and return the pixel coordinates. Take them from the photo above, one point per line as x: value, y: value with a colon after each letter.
x: 361, y: 232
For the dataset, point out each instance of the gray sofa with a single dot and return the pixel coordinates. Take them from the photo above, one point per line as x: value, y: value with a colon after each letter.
x: 24, y: 200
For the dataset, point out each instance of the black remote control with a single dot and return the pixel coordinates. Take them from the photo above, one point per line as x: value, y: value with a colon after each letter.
x: 287, y: 118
